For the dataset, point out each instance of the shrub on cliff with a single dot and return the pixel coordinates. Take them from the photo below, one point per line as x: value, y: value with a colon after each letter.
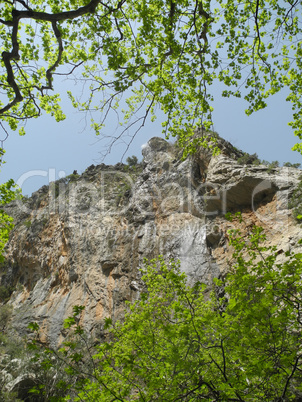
x: 248, y: 159
x: 132, y: 160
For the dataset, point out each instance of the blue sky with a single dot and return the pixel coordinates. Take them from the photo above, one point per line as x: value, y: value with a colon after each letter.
x: 49, y: 149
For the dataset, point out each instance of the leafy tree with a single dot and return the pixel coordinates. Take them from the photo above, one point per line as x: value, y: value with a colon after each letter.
x: 149, y: 54
x: 177, y: 343
x: 132, y: 160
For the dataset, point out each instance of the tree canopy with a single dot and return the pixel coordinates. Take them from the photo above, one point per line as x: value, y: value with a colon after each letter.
x: 148, y: 54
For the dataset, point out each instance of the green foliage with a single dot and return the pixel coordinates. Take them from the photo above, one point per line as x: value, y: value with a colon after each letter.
x: 248, y: 159
x: 132, y: 160
x: 274, y: 164
x: 265, y: 162
x: 177, y: 344
x: 271, y: 166
x: 231, y: 217
x: 72, y: 177
x: 9, y: 396
x: 294, y: 165
x: 65, y: 370
x: 149, y: 55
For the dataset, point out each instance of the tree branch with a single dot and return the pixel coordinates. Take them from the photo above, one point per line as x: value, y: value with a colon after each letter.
x: 59, y: 58
x: 290, y: 376
x: 7, y: 57
x: 18, y: 15
x: 62, y: 16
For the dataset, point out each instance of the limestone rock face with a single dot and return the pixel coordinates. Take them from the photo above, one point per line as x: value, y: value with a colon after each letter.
x: 238, y: 186
x: 82, y: 240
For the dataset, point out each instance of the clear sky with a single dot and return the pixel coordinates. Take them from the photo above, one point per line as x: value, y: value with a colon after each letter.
x: 49, y: 148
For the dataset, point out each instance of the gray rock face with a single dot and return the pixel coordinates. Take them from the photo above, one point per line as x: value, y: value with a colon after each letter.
x: 238, y: 186
x: 82, y: 241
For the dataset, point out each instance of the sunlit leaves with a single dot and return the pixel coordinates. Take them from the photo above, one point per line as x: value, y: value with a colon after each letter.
x: 51, y: 105
x: 158, y: 54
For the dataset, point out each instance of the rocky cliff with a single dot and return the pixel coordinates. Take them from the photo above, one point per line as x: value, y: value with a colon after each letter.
x: 82, y: 240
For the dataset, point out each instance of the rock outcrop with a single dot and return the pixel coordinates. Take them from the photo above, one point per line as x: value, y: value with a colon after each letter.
x: 83, y: 239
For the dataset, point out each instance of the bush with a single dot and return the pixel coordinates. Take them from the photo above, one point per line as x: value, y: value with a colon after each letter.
x: 132, y: 160
x: 274, y: 164
x: 72, y: 177
x: 294, y: 165
x: 248, y: 159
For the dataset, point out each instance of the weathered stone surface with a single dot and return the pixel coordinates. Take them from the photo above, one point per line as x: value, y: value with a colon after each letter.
x: 233, y: 186
x: 81, y: 241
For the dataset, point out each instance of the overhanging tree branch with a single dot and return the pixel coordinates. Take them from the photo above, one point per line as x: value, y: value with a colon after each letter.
x: 17, y: 16
x: 59, y: 58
